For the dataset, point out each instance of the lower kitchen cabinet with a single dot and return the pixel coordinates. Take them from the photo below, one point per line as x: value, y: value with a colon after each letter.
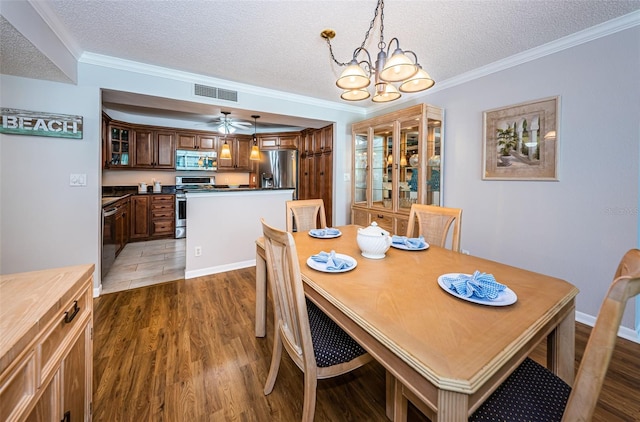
x: 46, y: 372
x: 163, y: 216
x: 122, y: 225
x: 139, y: 217
x: 152, y: 217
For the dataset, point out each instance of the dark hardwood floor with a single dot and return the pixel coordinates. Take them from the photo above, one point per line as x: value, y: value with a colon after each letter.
x: 186, y: 351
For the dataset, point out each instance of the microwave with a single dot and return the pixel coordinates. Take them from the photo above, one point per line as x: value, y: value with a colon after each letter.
x: 196, y: 160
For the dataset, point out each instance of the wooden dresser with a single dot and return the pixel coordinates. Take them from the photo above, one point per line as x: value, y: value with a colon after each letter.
x: 46, y: 345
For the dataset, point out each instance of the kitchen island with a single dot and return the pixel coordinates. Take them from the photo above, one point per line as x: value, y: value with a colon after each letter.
x: 224, y: 225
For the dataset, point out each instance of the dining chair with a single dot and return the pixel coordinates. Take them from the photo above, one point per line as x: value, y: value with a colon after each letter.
x: 434, y: 224
x: 306, y: 214
x: 315, y: 343
x: 533, y: 393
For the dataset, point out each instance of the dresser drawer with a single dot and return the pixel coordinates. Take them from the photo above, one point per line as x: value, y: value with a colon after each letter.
x: 61, y: 333
x: 18, y: 389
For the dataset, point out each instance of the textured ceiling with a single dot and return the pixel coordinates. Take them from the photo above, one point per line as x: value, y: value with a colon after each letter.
x: 277, y: 44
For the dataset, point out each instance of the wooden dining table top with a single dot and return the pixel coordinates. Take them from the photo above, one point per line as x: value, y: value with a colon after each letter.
x: 455, y: 344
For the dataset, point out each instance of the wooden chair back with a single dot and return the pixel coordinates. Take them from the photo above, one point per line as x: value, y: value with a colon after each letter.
x: 597, y: 355
x: 291, y: 321
x: 434, y: 223
x: 306, y: 214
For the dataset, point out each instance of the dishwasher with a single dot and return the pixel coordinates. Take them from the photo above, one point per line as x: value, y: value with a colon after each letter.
x: 108, y: 239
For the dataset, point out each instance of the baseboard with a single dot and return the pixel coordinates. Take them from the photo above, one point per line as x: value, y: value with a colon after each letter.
x: 97, y: 291
x: 219, y: 269
x: 624, y: 332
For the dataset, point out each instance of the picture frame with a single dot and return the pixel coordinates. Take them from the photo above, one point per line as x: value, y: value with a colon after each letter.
x: 520, y: 142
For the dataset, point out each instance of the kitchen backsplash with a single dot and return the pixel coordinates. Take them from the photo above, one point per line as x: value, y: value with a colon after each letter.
x: 133, y: 177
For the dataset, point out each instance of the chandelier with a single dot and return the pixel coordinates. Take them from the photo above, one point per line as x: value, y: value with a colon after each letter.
x: 388, y: 69
x: 255, y: 152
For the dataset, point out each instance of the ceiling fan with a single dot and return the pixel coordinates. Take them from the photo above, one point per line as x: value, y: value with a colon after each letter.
x: 225, y: 125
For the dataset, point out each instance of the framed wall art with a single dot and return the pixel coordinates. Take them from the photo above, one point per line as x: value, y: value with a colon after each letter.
x: 521, y: 141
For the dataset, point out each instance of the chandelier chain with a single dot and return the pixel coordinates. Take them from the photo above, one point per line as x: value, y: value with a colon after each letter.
x: 381, y: 44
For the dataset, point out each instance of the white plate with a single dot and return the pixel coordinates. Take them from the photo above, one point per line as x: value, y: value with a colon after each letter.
x: 328, y: 236
x: 322, y: 266
x: 506, y: 297
x: 406, y: 248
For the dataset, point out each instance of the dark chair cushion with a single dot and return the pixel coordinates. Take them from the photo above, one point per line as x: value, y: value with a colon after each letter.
x: 531, y: 393
x: 330, y: 343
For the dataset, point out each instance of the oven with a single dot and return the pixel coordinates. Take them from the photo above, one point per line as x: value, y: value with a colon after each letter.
x: 186, y: 184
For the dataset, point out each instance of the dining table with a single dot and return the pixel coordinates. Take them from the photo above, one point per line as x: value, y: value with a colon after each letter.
x: 444, y: 353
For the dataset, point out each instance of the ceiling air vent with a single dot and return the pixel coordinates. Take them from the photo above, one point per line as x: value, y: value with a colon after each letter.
x: 213, y: 92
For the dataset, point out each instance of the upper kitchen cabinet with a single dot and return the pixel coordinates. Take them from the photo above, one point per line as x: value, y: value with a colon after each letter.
x: 196, y: 141
x: 118, y: 146
x: 279, y: 141
x: 154, y: 149
x: 396, y: 163
x: 240, y: 150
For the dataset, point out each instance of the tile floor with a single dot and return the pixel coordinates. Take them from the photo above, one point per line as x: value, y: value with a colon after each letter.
x: 145, y: 263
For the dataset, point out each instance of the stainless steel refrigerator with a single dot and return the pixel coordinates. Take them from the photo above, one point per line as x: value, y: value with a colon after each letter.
x: 279, y: 169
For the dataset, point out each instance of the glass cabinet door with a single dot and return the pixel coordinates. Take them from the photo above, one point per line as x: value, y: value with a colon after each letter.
x: 434, y: 153
x: 360, y: 166
x: 382, y: 170
x: 408, y: 163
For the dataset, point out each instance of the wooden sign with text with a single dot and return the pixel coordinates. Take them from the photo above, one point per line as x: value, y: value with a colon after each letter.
x: 35, y: 123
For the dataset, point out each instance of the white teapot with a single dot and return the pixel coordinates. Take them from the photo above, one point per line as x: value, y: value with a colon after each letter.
x: 373, y: 241
x: 142, y: 187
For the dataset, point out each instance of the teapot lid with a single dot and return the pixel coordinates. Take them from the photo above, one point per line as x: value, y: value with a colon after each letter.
x: 373, y: 230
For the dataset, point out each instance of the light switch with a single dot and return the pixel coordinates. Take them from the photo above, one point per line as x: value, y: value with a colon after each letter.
x: 78, y: 179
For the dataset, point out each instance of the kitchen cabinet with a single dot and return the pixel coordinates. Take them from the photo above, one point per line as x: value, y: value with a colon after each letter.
x: 196, y: 141
x: 163, y: 216
x: 152, y: 217
x: 279, y: 141
x: 122, y: 222
x: 394, y: 164
x: 154, y: 149
x: 316, y: 167
x: 139, y: 217
x: 240, y: 150
x: 118, y: 150
x: 46, y: 368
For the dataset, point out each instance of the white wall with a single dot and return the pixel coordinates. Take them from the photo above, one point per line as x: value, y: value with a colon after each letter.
x: 44, y: 222
x: 578, y: 228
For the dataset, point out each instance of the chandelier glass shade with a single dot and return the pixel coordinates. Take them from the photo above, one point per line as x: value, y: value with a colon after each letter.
x: 255, y: 152
x: 400, y: 67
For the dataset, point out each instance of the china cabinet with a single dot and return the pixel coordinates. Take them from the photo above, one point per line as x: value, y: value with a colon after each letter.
x: 396, y: 163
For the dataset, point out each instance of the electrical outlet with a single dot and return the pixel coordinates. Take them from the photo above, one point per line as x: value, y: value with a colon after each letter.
x: 77, y: 179
x: 198, y: 250
x: 347, y: 177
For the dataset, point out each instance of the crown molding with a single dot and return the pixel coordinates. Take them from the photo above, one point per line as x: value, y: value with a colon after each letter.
x: 598, y: 31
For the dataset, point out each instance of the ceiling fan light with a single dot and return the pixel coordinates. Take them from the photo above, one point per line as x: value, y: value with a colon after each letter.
x: 398, y: 68
x: 385, y: 93
x: 225, y: 153
x: 355, y: 94
x: 418, y: 82
x: 353, y: 77
x: 226, y: 129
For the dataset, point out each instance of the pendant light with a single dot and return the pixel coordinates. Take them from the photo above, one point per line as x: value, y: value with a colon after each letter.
x: 255, y: 152
x: 392, y: 66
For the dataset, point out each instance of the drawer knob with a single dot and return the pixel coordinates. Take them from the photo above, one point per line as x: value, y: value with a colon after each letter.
x: 68, y: 317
